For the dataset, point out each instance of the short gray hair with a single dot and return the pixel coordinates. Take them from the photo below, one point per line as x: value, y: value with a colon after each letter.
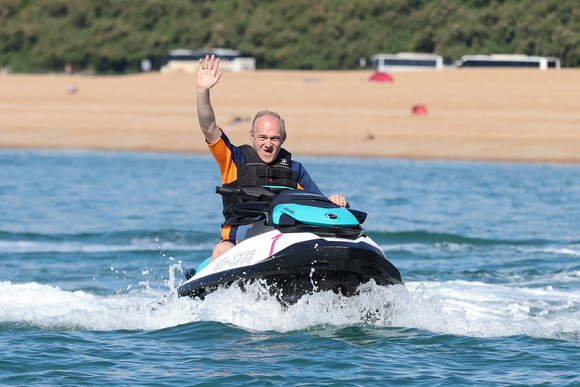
x: 269, y: 113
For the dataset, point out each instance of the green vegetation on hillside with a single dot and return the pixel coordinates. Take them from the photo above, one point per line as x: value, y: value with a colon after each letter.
x: 113, y: 36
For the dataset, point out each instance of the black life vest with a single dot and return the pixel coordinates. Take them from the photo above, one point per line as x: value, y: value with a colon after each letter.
x: 254, y: 172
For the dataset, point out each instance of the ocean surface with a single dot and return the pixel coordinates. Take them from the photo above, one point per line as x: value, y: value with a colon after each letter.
x: 93, y: 245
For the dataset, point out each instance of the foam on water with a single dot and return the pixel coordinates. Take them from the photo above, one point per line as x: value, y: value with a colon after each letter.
x: 136, y: 244
x: 454, y: 307
x: 572, y: 252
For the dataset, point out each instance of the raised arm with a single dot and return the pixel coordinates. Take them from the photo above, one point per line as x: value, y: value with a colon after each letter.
x: 207, y: 77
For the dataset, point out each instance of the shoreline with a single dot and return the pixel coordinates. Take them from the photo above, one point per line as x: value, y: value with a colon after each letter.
x: 506, y: 115
x: 555, y: 160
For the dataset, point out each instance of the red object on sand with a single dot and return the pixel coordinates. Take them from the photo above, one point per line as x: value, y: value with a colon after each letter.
x: 381, y: 77
x: 419, y: 110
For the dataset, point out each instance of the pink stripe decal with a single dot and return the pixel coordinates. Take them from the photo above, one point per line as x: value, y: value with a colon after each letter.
x: 274, y: 239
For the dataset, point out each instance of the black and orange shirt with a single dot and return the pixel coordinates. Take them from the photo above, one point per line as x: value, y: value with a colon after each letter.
x: 229, y: 156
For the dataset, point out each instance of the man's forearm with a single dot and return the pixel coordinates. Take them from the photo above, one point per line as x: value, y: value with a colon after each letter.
x: 206, y: 116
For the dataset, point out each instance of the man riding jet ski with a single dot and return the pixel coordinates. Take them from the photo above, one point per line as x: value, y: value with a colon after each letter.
x: 264, y: 162
x: 296, y: 242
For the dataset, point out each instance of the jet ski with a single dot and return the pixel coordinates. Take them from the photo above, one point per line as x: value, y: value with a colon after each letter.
x: 294, y: 243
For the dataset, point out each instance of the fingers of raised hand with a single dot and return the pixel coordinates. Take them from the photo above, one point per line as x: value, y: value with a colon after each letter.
x: 210, y: 64
x: 208, y: 75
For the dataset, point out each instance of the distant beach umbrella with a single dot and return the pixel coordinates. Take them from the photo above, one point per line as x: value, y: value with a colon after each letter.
x: 381, y: 77
x: 419, y: 110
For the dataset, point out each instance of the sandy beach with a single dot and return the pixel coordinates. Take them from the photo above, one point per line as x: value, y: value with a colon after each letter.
x: 473, y: 114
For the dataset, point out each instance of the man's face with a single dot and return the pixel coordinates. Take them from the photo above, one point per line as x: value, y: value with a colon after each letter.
x: 267, y: 138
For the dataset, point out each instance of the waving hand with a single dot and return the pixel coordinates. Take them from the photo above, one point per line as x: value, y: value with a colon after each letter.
x: 207, y: 74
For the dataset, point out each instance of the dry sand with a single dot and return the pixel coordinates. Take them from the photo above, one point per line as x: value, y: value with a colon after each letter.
x: 473, y: 114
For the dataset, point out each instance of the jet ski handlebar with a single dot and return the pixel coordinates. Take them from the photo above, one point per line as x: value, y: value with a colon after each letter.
x: 254, y: 193
x: 227, y: 192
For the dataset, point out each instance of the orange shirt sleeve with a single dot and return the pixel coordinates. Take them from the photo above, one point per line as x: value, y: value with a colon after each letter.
x: 223, y: 155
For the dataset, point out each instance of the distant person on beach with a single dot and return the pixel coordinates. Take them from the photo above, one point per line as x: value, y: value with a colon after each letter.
x: 264, y: 162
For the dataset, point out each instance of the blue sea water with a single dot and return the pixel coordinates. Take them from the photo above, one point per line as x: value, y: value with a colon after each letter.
x: 93, y: 244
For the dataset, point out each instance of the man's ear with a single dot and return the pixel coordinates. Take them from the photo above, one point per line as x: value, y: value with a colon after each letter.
x: 283, y: 139
x: 251, y: 137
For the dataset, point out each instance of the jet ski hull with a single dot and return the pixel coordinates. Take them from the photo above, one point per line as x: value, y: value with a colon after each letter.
x: 306, y: 267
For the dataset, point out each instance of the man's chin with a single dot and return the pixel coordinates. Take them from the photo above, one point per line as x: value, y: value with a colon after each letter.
x: 267, y: 157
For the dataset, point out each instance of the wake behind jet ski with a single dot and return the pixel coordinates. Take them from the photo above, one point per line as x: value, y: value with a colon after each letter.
x: 295, y: 243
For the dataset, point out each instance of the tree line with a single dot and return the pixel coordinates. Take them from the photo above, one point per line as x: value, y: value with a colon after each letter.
x: 113, y: 36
